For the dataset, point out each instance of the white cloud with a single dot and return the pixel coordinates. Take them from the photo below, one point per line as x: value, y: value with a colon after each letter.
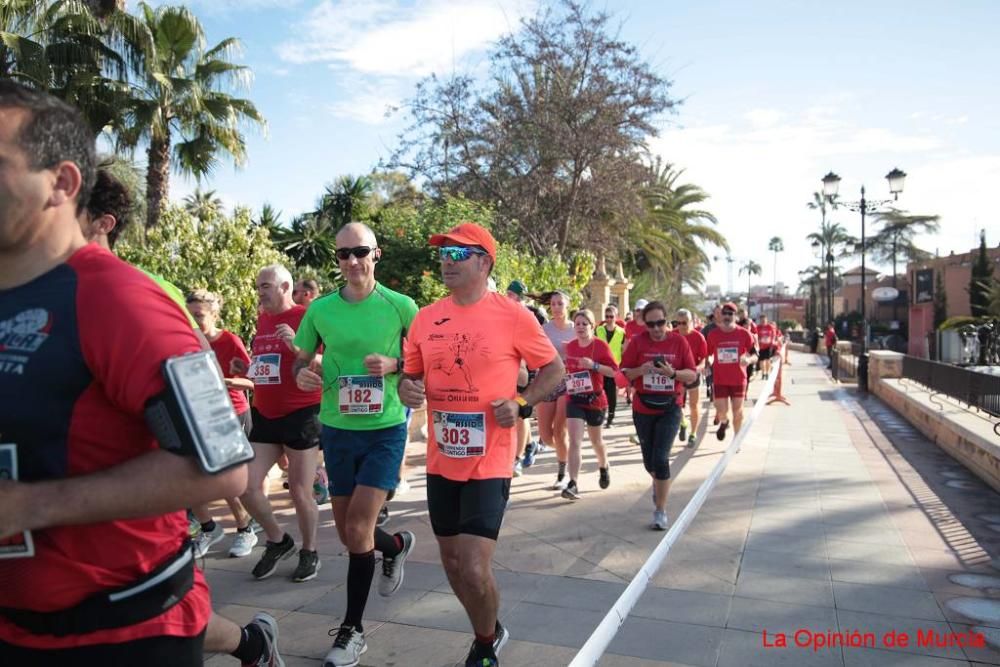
x: 385, y: 37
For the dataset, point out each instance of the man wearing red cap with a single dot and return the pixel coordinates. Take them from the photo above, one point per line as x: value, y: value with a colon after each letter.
x: 732, y: 348
x: 462, y: 355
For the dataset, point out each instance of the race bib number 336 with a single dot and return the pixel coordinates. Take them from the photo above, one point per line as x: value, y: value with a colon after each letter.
x: 266, y: 369
x: 460, y: 435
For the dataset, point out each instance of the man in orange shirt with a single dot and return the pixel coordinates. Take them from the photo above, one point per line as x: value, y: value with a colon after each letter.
x: 462, y: 355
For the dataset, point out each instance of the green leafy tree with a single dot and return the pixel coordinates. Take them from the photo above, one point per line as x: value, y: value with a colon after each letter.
x: 980, y: 280
x: 775, y: 245
x: 940, y: 300
x: 223, y: 256
x: 180, y: 108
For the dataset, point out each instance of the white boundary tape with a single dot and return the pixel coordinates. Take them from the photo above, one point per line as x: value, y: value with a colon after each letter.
x: 603, y: 635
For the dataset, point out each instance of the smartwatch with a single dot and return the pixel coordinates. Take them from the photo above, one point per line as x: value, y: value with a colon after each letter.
x: 524, y: 409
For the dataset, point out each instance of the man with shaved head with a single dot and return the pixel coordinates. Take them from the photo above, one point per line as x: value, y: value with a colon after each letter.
x: 285, y: 420
x: 361, y: 327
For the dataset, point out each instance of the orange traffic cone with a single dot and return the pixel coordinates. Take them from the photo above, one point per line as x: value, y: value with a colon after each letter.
x: 776, y: 396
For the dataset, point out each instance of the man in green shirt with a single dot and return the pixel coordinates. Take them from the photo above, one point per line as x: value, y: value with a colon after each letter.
x: 361, y: 327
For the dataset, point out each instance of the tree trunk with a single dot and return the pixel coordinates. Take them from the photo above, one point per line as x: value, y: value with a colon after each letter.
x: 157, y: 180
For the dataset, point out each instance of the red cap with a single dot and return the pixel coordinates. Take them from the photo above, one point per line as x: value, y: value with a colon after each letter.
x: 467, y: 233
x: 730, y: 305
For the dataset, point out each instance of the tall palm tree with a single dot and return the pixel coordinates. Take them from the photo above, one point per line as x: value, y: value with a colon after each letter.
x: 348, y: 199
x: 833, y: 241
x: 311, y: 240
x: 775, y: 245
x: 270, y: 218
x: 181, y: 108
x: 895, y: 238
x: 752, y: 268
x: 203, y: 205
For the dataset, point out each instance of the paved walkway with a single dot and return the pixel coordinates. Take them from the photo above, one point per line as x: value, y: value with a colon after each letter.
x: 836, y: 516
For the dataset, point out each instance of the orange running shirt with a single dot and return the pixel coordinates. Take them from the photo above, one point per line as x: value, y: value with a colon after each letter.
x: 469, y: 356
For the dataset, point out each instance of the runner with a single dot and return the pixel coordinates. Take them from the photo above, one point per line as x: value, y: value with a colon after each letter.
x: 361, y: 328
x: 470, y: 444
x: 204, y: 307
x: 285, y: 419
x: 525, y: 453
x: 713, y: 322
x: 551, y: 412
x: 614, y: 336
x: 633, y: 328
x: 104, y: 506
x: 658, y: 363
x: 830, y: 341
x: 769, y: 339
x: 699, y: 350
x: 305, y: 292
x: 588, y: 362
x: 732, y: 350
x: 107, y: 214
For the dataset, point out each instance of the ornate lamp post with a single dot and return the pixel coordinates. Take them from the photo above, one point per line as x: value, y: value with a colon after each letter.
x: 831, y: 183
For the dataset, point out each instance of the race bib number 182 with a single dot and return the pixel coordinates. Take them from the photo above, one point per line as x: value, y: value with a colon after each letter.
x: 361, y: 394
x: 460, y: 435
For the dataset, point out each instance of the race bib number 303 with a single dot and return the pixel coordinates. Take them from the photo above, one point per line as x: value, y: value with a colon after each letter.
x: 361, y: 394
x: 460, y: 435
x: 266, y: 369
x: 579, y: 383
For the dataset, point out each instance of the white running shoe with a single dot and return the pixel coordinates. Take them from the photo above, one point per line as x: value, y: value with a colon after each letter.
x: 347, y: 648
x: 660, y: 520
x: 560, y: 484
x: 204, y: 541
x: 403, y: 487
x: 269, y: 627
x: 243, y: 544
x: 518, y: 468
x: 392, y: 568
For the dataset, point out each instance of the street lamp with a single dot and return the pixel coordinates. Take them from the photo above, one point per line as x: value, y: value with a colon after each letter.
x: 831, y: 183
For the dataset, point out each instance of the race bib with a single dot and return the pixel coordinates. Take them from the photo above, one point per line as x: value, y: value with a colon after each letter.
x: 460, y: 435
x: 579, y: 383
x: 727, y: 355
x: 265, y: 369
x: 19, y: 545
x: 765, y: 340
x: 657, y: 382
x: 361, y: 394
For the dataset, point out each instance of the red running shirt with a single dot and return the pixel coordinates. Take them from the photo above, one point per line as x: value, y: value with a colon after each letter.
x: 227, y: 347
x: 674, y: 349
x: 598, y: 351
x: 699, y: 348
x: 728, y: 347
x: 74, y: 383
x: 633, y: 329
x: 275, y: 393
x: 767, y: 336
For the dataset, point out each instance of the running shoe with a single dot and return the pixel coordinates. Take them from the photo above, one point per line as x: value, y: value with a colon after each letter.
x: 194, y: 527
x: 308, y: 567
x: 604, y: 478
x: 518, y: 468
x: 559, y: 484
x: 273, y: 552
x: 402, y: 488
x: 392, y: 568
x: 348, y: 646
x: 683, y: 434
x: 383, y: 516
x: 765, y: 375
x: 633, y: 439
x: 540, y: 448
x: 529, y: 455
x: 255, y: 527
x: 243, y: 544
x: 502, y: 636
x: 691, y: 440
x: 660, y: 520
x: 204, y: 541
x: 269, y: 628
x: 721, y: 433
x: 571, y: 492
x: 481, y: 657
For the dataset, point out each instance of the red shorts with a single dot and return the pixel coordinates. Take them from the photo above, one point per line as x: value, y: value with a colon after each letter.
x: 729, y: 391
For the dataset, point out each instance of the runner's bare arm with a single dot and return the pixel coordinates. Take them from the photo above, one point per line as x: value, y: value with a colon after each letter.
x: 154, y: 483
x: 411, y: 391
x: 633, y: 373
x: 380, y: 365
x: 545, y: 381
x: 239, y: 383
x: 307, y: 371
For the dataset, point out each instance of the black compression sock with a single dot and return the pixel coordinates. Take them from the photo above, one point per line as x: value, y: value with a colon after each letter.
x: 387, y: 544
x: 360, y: 571
x: 252, y: 645
x: 208, y: 526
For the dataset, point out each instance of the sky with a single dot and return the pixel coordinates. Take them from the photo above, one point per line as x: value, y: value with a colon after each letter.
x: 775, y: 94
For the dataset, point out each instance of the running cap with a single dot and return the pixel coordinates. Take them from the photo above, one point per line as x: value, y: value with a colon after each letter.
x: 640, y: 304
x: 468, y: 234
x: 729, y: 305
x: 517, y: 287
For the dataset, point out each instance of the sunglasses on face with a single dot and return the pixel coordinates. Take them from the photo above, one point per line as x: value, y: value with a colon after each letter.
x: 728, y: 313
x: 652, y: 324
x: 457, y: 253
x: 360, y: 252
x: 677, y: 323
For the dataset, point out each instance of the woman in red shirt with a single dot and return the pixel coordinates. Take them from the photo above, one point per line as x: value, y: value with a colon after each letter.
x: 588, y: 362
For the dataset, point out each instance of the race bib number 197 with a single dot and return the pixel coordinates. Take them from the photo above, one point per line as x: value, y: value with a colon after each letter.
x: 361, y: 394
x: 266, y: 369
x: 460, y: 435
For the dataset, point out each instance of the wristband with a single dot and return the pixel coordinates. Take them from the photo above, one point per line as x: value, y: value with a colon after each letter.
x: 524, y: 410
x: 596, y: 366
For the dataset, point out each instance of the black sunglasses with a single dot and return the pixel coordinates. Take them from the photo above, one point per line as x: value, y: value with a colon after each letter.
x: 360, y: 252
x: 729, y: 312
x: 656, y: 323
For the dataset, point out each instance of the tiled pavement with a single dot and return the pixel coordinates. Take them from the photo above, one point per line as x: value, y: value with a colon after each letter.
x: 836, y: 516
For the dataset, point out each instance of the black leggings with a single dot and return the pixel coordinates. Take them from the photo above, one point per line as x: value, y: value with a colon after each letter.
x: 150, y: 652
x: 611, y: 391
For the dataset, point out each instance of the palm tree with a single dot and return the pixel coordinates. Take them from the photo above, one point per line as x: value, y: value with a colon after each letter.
x: 895, y: 239
x: 270, y: 219
x: 833, y: 241
x: 752, y: 268
x: 203, y: 205
x: 311, y: 240
x: 346, y: 200
x: 775, y: 245
x: 181, y: 107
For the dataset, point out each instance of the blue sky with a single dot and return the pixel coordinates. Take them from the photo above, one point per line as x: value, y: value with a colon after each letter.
x: 776, y: 94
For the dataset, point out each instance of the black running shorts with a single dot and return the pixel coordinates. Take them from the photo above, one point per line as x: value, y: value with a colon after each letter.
x: 296, y: 430
x: 149, y: 652
x: 475, y: 507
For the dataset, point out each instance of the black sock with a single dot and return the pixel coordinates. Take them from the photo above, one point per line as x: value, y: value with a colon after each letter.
x: 360, y: 571
x: 208, y: 526
x: 562, y: 469
x: 387, y: 544
x: 285, y: 540
x: 245, y: 529
x: 252, y: 645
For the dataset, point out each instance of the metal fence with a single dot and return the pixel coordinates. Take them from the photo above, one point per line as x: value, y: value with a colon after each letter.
x: 977, y: 390
x: 844, y: 367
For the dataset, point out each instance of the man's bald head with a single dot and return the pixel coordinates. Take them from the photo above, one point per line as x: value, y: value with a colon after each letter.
x: 355, y: 234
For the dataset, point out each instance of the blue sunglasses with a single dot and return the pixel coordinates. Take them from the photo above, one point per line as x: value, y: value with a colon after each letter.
x: 458, y: 253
